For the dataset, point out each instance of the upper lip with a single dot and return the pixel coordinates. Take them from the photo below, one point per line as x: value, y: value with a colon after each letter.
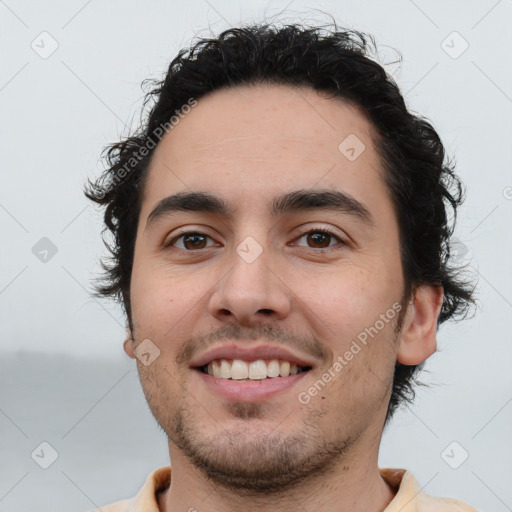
x: 248, y: 353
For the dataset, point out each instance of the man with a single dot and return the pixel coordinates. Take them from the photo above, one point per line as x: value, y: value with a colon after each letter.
x: 281, y: 250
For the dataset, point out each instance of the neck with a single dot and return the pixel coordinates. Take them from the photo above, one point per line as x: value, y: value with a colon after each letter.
x: 353, y: 485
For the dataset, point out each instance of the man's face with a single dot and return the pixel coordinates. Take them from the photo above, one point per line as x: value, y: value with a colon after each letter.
x: 259, y: 278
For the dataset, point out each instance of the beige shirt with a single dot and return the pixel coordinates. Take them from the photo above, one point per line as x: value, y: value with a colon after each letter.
x: 409, y: 497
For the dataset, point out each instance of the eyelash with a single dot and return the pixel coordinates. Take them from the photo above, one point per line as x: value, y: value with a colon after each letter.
x: 316, y: 230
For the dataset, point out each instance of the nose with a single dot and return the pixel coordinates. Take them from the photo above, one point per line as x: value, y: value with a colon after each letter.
x: 250, y: 292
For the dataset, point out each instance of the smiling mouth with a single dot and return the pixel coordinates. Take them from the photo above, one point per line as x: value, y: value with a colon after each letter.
x: 260, y: 369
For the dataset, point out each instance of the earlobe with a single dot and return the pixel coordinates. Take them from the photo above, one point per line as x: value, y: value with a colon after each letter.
x: 418, y: 338
x: 128, y: 344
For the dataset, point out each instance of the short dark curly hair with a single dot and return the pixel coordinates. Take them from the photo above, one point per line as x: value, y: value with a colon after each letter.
x: 421, y: 184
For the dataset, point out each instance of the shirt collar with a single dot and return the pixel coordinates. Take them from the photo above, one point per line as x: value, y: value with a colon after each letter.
x: 401, y: 481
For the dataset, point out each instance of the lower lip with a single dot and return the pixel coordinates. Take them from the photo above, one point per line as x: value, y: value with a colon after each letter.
x: 249, y: 390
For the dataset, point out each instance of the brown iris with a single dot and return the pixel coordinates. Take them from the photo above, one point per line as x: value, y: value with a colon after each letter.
x: 195, y: 239
x: 319, y: 238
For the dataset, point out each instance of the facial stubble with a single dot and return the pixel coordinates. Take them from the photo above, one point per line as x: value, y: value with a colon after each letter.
x: 249, y: 459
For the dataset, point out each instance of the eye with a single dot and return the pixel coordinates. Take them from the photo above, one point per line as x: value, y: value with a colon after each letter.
x: 192, y: 240
x: 321, y: 238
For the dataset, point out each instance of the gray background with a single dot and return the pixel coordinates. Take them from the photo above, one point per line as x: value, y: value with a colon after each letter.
x: 64, y: 377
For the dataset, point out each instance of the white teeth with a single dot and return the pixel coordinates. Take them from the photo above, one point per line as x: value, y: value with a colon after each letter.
x: 284, y: 369
x: 225, y: 369
x: 273, y: 368
x: 254, y: 370
x: 239, y: 370
x: 257, y: 370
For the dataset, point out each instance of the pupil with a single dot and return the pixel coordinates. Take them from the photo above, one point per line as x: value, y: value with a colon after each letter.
x: 316, y: 237
x: 194, y: 238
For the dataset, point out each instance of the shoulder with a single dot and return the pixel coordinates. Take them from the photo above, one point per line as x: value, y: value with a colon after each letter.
x: 410, y: 498
x: 428, y: 503
x: 146, y: 498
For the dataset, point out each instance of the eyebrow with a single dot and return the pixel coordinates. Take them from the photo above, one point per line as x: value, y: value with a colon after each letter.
x: 295, y: 201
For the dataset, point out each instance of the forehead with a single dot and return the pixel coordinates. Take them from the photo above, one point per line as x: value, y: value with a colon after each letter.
x: 250, y: 143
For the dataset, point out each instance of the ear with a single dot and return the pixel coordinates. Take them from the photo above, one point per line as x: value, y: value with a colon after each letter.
x: 418, y: 337
x: 128, y: 344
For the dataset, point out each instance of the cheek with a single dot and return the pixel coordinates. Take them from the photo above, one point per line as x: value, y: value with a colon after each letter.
x: 347, y: 316
x: 163, y: 298
x: 349, y: 297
